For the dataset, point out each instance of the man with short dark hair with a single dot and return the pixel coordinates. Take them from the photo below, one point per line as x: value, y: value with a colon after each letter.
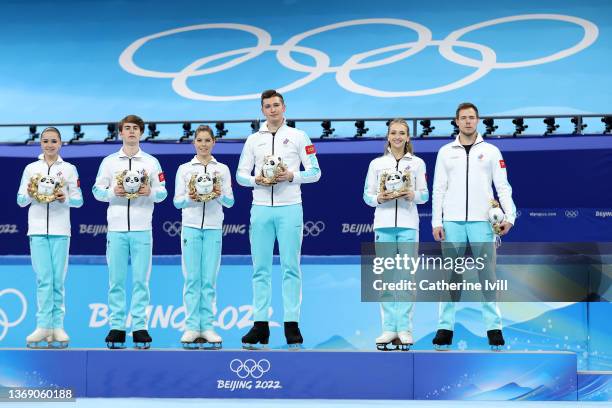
x: 276, y: 214
x: 462, y: 194
x: 131, y: 181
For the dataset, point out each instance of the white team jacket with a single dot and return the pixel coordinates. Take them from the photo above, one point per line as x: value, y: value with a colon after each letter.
x: 52, y: 218
x: 199, y: 214
x: 401, y: 212
x: 462, y: 187
x: 294, y: 147
x: 135, y: 214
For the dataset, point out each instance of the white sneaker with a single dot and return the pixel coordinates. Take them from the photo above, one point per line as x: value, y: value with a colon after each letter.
x: 386, y: 337
x: 39, y: 335
x: 210, y: 336
x: 190, y: 336
x: 60, y: 335
x: 405, y: 337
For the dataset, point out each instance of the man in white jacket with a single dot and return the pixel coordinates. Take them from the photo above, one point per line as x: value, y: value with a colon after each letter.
x: 276, y: 214
x: 462, y: 191
x: 129, y: 230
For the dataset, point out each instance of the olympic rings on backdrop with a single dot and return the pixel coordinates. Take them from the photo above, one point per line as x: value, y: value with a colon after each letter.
x: 322, y: 65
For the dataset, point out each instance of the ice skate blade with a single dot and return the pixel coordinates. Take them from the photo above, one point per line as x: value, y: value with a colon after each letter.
x: 496, y: 348
x: 210, y: 346
x: 190, y: 346
x: 58, y: 344
x: 115, y: 346
x: 254, y: 347
x: 401, y: 346
x: 442, y: 347
x: 386, y: 347
x: 38, y: 345
x: 295, y: 347
x: 142, y: 346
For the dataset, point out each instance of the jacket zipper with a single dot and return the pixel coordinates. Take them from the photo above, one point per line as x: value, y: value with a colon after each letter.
x: 203, y: 204
x: 128, y: 207
x: 467, y: 173
x: 397, y: 169
x: 48, y: 204
x: 272, y: 193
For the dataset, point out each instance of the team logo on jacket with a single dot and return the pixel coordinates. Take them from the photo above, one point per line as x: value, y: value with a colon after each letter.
x: 310, y: 149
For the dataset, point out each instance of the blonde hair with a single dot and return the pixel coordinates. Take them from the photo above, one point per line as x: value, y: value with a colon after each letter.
x: 408, y: 145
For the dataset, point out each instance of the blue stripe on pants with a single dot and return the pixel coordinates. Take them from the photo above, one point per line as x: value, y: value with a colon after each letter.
x: 396, y: 316
x: 284, y: 223
x: 119, y: 247
x: 201, y: 257
x: 49, y: 255
x: 474, y: 232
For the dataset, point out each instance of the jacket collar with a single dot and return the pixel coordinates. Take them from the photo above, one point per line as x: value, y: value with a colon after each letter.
x: 138, y: 153
x: 390, y: 154
x: 264, y: 126
x: 479, y: 139
x: 59, y: 158
x: 195, y: 160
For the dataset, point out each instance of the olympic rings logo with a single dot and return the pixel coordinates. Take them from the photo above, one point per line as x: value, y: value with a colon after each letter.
x: 571, y: 213
x: 250, y: 367
x: 172, y: 228
x: 5, y: 323
x: 446, y: 48
x: 313, y: 229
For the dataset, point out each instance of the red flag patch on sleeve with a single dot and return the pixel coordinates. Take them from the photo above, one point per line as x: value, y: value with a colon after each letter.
x: 502, y: 164
x: 310, y: 149
x: 161, y: 177
x: 79, y: 183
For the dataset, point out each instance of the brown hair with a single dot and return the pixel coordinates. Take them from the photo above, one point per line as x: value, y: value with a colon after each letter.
x: 205, y: 129
x: 51, y: 129
x: 270, y: 93
x: 466, y: 105
x: 408, y: 145
x: 132, y: 119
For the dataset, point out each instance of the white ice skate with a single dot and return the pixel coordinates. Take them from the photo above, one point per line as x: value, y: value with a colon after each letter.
x: 191, y: 340
x: 212, y: 341
x: 385, y: 339
x: 40, y: 338
x: 404, y: 340
x: 60, y: 338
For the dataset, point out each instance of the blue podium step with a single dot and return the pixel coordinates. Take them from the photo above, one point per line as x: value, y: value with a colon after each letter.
x: 595, y: 385
x: 535, y: 376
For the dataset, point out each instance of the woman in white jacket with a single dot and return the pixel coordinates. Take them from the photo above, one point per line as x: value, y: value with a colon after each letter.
x: 50, y: 186
x: 201, y: 236
x: 396, y: 220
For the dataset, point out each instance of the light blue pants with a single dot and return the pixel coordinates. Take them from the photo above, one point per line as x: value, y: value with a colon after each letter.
x: 458, y: 234
x: 201, y: 250
x: 396, y: 316
x: 50, y: 262
x: 268, y: 224
x: 121, y: 249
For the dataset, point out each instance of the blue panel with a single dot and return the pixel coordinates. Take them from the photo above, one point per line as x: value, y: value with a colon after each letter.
x: 595, y: 386
x: 61, y: 369
x: 495, y: 376
x: 240, y: 374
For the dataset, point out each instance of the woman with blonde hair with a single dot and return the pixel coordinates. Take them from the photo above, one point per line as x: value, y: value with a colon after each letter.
x: 394, y: 185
